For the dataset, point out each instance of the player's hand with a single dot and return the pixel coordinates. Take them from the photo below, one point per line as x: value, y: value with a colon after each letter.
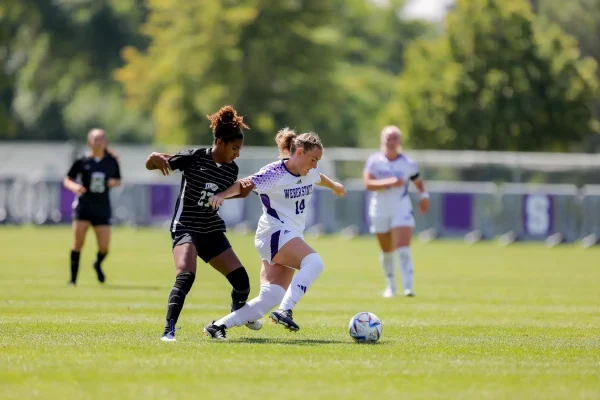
x: 397, y: 182
x: 79, y: 190
x: 424, y: 205
x: 246, y: 183
x: 161, y: 162
x: 216, y: 201
x: 338, y: 189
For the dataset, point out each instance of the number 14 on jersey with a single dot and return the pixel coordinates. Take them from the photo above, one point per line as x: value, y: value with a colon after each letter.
x: 300, y: 206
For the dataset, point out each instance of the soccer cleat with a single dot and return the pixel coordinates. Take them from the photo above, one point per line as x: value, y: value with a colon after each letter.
x: 215, y: 331
x: 71, y: 283
x: 169, y: 335
x: 409, y: 293
x: 285, y: 318
x: 254, y: 325
x: 98, y: 268
x: 389, y: 292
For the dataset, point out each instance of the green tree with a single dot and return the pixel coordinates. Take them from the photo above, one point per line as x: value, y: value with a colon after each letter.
x: 326, y: 66
x: 497, y: 80
x: 60, y: 58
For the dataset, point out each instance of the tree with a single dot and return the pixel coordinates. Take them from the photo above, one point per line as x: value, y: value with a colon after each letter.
x: 315, y: 65
x: 60, y: 58
x: 497, y: 80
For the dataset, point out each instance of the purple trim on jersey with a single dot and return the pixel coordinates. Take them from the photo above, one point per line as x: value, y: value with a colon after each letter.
x: 267, y: 203
x: 286, y: 168
x: 405, y: 190
x: 267, y: 177
x: 275, y: 244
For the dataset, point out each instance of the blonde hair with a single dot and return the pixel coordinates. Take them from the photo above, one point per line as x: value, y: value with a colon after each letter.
x: 389, y: 130
x: 288, y: 141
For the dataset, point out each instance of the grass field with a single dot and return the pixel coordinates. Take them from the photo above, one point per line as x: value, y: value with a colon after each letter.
x: 488, y: 322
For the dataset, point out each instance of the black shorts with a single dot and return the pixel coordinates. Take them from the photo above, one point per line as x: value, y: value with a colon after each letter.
x: 208, y: 245
x: 94, y: 218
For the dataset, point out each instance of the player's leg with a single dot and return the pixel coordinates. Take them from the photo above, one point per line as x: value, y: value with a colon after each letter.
x: 274, y: 279
x: 296, y: 253
x: 184, y: 255
x: 80, y: 228
x: 228, y: 264
x: 103, y: 231
x: 401, y: 236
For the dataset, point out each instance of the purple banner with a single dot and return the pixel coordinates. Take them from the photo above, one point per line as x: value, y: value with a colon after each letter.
x: 161, y: 200
x: 66, y: 204
x: 457, y: 211
x: 538, y: 214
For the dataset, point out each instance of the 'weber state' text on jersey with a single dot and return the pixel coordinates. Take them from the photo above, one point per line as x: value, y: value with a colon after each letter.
x: 387, y: 202
x: 284, y: 196
x: 201, y: 179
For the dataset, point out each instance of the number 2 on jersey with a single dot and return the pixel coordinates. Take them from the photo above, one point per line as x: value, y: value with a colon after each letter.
x: 300, y: 206
x: 205, y: 195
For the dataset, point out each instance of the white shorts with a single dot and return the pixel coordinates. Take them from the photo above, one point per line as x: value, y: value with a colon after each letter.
x: 403, y: 218
x: 269, y: 243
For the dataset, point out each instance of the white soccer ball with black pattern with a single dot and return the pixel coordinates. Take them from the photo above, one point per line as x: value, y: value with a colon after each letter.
x: 365, y: 327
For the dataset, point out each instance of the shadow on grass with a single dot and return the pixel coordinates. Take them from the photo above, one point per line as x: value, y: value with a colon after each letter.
x: 130, y: 287
x: 292, y: 342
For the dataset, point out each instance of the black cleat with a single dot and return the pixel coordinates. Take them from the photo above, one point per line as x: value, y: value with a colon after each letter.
x: 215, y: 331
x: 98, y: 268
x: 284, y: 317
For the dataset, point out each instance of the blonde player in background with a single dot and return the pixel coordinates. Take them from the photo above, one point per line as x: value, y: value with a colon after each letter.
x: 285, y: 188
x: 387, y: 174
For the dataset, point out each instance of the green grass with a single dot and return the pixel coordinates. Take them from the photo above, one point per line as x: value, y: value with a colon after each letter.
x: 487, y: 323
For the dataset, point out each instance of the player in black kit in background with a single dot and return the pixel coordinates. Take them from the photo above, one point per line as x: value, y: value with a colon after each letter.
x: 98, y: 171
x: 197, y: 230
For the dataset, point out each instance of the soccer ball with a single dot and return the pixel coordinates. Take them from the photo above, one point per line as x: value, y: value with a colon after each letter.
x: 365, y: 327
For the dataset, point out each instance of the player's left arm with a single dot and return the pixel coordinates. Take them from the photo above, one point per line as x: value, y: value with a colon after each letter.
x: 337, y: 188
x: 115, y: 181
x: 420, y: 185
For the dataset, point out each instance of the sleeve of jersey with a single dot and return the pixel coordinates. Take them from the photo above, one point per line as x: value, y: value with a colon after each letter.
x: 182, y: 160
x: 415, y: 172
x: 74, y: 170
x: 117, y: 173
x: 369, y: 165
x: 316, y: 175
x: 265, y: 179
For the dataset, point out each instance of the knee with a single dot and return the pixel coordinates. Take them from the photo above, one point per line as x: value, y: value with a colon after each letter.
x: 314, y: 262
x: 271, y: 295
x: 184, y: 281
x: 239, y: 280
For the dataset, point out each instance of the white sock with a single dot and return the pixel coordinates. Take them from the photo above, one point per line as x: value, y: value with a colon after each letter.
x: 310, y: 268
x: 406, y: 267
x: 387, y: 263
x: 268, y: 297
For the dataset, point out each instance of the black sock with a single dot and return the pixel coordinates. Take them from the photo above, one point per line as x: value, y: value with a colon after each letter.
x: 74, y: 265
x: 183, y: 285
x: 99, y: 258
x: 241, y: 288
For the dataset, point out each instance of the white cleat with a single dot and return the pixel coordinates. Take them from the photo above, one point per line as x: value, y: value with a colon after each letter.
x: 409, y: 293
x: 254, y: 325
x: 389, y: 292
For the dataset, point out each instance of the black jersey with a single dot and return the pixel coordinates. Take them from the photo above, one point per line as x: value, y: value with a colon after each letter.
x: 201, y: 179
x: 94, y: 173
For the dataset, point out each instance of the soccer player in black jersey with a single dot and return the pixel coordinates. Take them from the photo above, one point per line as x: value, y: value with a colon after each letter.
x: 97, y: 172
x: 197, y: 230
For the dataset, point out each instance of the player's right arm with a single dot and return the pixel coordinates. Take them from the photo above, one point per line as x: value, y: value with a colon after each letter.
x: 158, y: 161
x: 239, y: 189
x: 374, y: 184
x: 69, y: 181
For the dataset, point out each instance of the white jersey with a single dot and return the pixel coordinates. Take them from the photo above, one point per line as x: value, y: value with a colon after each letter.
x: 284, y: 197
x: 387, y: 202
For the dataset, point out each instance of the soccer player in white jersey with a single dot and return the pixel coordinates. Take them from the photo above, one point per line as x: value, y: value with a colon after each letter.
x: 387, y: 174
x: 285, y: 188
